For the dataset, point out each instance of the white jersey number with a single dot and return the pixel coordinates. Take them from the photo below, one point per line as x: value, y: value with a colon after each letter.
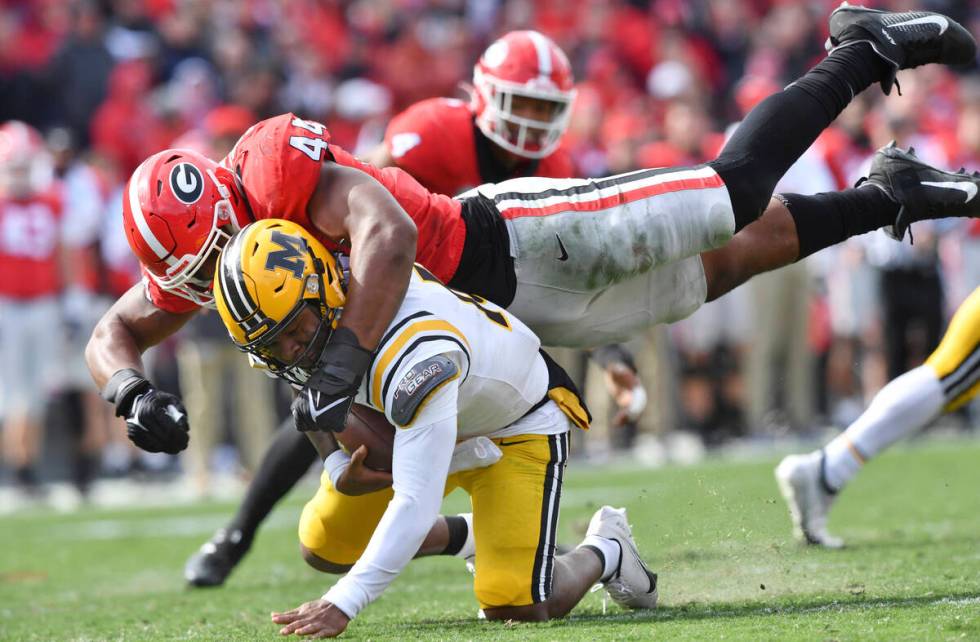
x: 28, y: 231
x: 312, y: 147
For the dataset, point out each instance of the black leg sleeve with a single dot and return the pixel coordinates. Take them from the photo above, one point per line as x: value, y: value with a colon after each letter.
x: 826, y: 219
x: 285, y: 462
x: 783, y: 126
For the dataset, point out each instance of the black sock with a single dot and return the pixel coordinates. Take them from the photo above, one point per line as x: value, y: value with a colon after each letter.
x: 458, y: 532
x: 780, y: 128
x: 826, y: 219
x: 285, y: 462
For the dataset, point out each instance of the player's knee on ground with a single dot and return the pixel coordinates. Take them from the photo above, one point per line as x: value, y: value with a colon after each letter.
x: 322, y: 565
x: 528, y: 613
x: 499, y: 588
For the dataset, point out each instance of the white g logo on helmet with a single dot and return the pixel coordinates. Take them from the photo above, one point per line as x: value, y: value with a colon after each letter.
x: 186, y: 182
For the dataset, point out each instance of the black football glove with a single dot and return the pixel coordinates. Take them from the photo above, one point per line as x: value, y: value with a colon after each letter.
x: 325, y: 401
x: 313, y: 410
x: 156, y: 421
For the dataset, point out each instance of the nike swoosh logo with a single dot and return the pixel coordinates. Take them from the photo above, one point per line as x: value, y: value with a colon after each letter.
x: 967, y: 188
x: 316, y: 412
x: 561, y: 246
x: 175, y: 414
x: 939, y: 21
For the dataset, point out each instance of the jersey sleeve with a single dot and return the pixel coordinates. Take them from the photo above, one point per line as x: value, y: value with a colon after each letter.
x: 425, y: 139
x: 420, y: 464
x: 419, y: 338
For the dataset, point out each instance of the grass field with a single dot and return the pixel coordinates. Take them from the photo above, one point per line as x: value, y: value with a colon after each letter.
x: 717, y: 533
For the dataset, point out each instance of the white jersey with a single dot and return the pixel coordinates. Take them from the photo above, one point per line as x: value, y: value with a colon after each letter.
x: 502, y: 373
x: 493, y: 374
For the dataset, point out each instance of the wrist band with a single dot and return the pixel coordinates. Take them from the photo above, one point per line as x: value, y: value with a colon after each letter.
x: 335, y: 464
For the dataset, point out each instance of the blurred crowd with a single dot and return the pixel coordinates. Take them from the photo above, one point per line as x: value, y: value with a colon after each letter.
x: 660, y: 83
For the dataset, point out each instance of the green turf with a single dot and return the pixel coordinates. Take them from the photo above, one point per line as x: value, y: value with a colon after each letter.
x: 717, y: 534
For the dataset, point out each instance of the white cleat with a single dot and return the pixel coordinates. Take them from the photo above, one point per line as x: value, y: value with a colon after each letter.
x: 808, y: 499
x: 632, y: 585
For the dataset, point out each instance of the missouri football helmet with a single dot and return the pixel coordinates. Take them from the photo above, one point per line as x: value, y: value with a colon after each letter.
x: 523, y: 64
x: 267, y: 274
x: 179, y: 210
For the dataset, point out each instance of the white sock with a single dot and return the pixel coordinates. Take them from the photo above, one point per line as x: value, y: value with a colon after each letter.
x: 611, y: 552
x: 469, y: 547
x: 906, y: 405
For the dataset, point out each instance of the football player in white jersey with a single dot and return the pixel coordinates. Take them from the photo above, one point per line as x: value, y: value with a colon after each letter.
x: 948, y: 380
x: 450, y: 366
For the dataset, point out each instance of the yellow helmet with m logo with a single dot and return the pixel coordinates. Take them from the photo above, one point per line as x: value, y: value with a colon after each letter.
x: 268, y: 272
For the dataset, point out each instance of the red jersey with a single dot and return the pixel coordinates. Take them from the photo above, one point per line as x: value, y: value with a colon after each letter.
x: 30, y: 230
x: 435, y: 141
x: 278, y: 163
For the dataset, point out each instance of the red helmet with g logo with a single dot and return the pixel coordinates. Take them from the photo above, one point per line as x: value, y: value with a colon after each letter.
x: 524, y: 64
x: 179, y: 210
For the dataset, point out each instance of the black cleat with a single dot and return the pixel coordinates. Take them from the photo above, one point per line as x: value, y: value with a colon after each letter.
x: 922, y: 191
x: 904, y: 40
x: 216, y: 559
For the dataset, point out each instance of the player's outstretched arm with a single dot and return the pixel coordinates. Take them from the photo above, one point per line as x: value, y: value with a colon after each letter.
x: 129, y: 327
x: 155, y: 420
x: 421, y: 456
x: 350, y: 205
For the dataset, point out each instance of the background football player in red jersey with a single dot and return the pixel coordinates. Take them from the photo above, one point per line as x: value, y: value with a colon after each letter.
x: 31, y: 278
x: 512, y: 127
x: 648, y: 246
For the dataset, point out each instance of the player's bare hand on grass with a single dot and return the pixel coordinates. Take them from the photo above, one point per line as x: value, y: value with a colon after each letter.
x: 359, y: 479
x: 318, y: 619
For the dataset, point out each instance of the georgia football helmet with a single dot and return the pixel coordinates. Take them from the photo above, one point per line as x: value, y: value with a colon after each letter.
x: 267, y: 274
x: 179, y: 210
x: 25, y: 164
x: 523, y: 64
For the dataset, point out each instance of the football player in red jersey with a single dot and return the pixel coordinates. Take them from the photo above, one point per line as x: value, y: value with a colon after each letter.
x: 583, y: 262
x: 31, y: 279
x: 512, y: 127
